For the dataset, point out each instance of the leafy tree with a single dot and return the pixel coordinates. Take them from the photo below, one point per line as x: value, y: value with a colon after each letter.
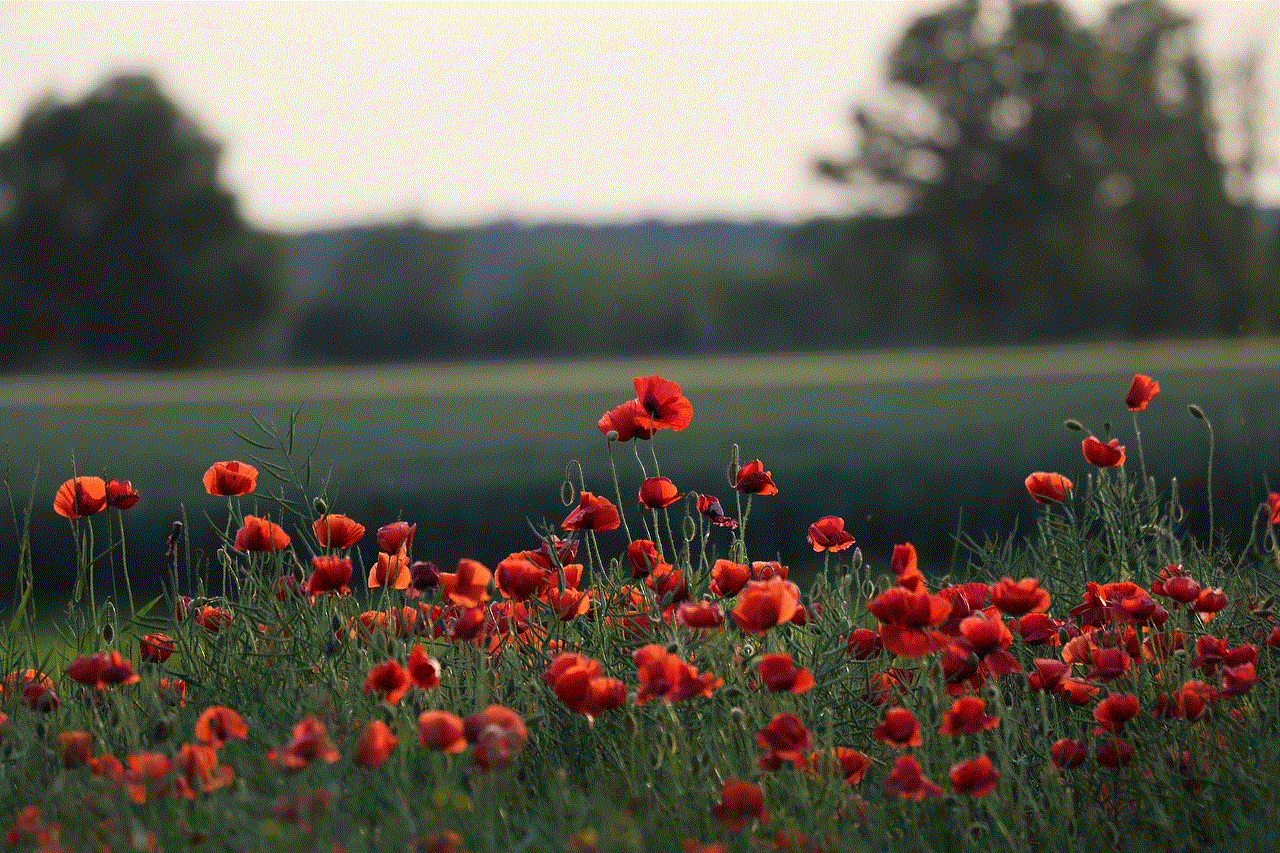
x: 119, y: 243
x: 1058, y: 182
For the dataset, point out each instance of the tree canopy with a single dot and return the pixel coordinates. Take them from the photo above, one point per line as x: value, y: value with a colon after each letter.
x: 119, y: 246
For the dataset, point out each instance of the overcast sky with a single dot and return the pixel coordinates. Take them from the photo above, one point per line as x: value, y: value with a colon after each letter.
x: 335, y: 113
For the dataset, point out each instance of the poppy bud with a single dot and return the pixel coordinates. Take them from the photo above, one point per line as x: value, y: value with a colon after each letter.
x: 690, y: 528
x: 1196, y: 411
x: 320, y: 506
x: 1074, y: 425
x: 175, y: 536
x: 611, y: 435
x: 857, y: 559
x: 108, y: 633
x: 567, y: 496
x: 161, y: 729
x: 224, y: 559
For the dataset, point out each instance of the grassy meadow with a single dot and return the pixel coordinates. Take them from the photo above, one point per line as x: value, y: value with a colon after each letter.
x: 1088, y: 670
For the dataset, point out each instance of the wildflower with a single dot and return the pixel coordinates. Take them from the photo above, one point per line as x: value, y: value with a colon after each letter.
x: 898, y: 727
x: 396, y: 536
x: 374, y: 744
x: 100, y: 669
x: 828, y: 534
x: 424, y: 670
x: 622, y: 422
x: 967, y: 715
x: 752, y: 479
x: 230, y: 478
x: 310, y: 742
x: 75, y: 748
x: 520, y: 577
x: 212, y: 619
x: 989, y: 639
x: 1273, y: 507
x: 1114, y: 752
x: 390, y: 570
x: 218, y: 724
x: 149, y: 773
x: 329, y: 573
x: 658, y: 492
x: 905, y: 618
x: 663, y: 674
x: 1068, y: 753
x: 592, y: 513
x: 155, y: 648
x: 764, y: 604
x: 1141, y: 390
x: 699, y: 614
x: 498, y: 733
x: 121, y: 494
x: 468, y: 586
x: 642, y: 556
x: 1238, y: 680
x: 864, y: 643
x: 1114, y: 711
x: 442, y: 731
x: 581, y: 685
x: 80, y: 496
x: 976, y: 777
x: 1037, y: 629
x: 849, y: 762
x: 786, y: 738
x: 728, y: 578
x: 907, y: 780
x: 423, y: 574
x: 663, y: 403
x: 1018, y: 598
x: 1103, y: 455
x: 389, y: 680
x: 261, y: 534
x: 739, y: 801
x: 780, y: 675
x: 1046, y: 487
x: 198, y: 763
x: 1108, y: 664
x: 709, y: 505
x: 1209, y: 601
x: 336, y: 531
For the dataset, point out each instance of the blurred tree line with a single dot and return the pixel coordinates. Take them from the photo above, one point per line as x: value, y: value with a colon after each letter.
x: 1033, y: 180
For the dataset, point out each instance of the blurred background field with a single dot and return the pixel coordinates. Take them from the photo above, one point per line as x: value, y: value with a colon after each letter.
x: 905, y: 445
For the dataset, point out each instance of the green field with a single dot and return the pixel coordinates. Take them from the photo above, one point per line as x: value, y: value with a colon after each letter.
x: 905, y: 445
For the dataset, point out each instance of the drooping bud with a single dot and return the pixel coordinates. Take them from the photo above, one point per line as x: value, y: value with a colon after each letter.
x: 320, y: 506
x: 1074, y: 425
x: 1196, y: 411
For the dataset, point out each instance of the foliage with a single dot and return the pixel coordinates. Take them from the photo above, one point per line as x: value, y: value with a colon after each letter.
x: 116, y: 230
x: 635, y: 679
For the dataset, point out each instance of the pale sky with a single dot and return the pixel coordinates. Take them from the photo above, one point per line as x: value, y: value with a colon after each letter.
x: 336, y: 113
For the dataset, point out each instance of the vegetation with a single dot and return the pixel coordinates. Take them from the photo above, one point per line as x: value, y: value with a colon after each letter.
x: 637, y: 677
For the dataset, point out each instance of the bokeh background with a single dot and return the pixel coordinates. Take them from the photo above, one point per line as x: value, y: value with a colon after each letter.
x: 418, y: 249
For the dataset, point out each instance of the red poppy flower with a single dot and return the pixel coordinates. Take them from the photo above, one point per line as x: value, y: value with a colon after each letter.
x: 967, y: 715
x: 1141, y: 390
x: 765, y: 604
x: 261, y: 534
x: 336, y: 531
x: 905, y: 618
x: 75, y: 748
x: 389, y: 680
x: 1115, y: 752
x: 754, y: 480
x: 101, y: 669
x: 374, y: 744
x: 849, y: 762
x: 709, y: 505
x: 155, y: 648
x: 828, y: 534
x: 699, y: 614
x: 1273, y: 507
x: 592, y: 513
x: 520, y: 577
x: 864, y: 643
x: 329, y: 574
x: 1238, y: 680
x: 1114, y: 711
x: 581, y: 685
x: 1109, y: 664
x: 898, y: 727
x: 1046, y: 487
x: 80, y: 496
x: 780, y: 675
x: 498, y: 733
x: 396, y: 536
x: 1103, y: 455
x: 657, y: 492
x: 121, y: 494
x: 728, y: 578
x: 622, y: 421
x: 1068, y: 753
x: 905, y: 564
x: 663, y: 674
x: 424, y: 670
x: 1210, y: 601
x: 218, y: 724
x: 468, y: 586
x: 786, y: 738
x: 739, y: 801
x: 663, y: 403
x: 390, y: 570
x: 976, y: 777
x: 1018, y: 598
x: 907, y: 780
x: 310, y: 742
x: 441, y: 731
x: 230, y: 478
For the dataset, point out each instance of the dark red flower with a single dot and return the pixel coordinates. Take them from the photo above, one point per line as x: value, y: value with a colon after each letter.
x: 780, y: 675
x: 374, y: 744
x: 642, y: 556
x: 1115, y: 752
x: 389, y: 680
x: 621, y: 420
x: 1018, y: 598
x: 1068, y: 753
x: 898, y: 727
x: 754, y: 480
x: 786, y: 738
x: 310, y: 742
x: 498, y: 733
x: 441, y: 731
x: 396, y: 536
x: 1046, y: 487
x: 863, y: 643
x: 906, y: 617
x: 580, y: 683
x: 739, y: 801
x: 907, y: 780
x: 1141, y: 390
x: 80, y: 496
x: 976, y: 777
x: 121, y: 494
x: 261, y: 534
x: 709, y: 505
x: 1103, y: 455
x: 1114, y: 711
x: 592, y: 513
x: 329, y: 574
x: 967, y: 715
x: 664, y: 404
x: 657, y: 492
x: 230, y: 478
x: 699, y: 614
x: 828, y: 534
x: 728, y: 578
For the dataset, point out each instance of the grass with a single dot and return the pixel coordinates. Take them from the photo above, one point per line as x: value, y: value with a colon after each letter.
x: 658, y: 734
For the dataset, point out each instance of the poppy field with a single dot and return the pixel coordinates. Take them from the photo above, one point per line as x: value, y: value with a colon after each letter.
x: 633, y: 676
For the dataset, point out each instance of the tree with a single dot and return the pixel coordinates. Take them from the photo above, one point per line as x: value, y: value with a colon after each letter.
x: 118, y: 244
x: 1059, y: 182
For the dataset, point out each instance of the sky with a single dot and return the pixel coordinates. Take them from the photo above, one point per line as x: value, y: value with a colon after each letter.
x: 465, y: 112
